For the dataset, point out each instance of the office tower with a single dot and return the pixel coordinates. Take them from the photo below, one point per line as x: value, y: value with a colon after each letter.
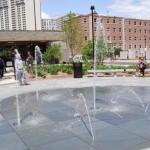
x: 20, y: 15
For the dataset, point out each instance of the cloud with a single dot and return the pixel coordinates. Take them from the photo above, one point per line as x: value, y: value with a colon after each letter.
x: 131, y: 8
x: 45, y: 15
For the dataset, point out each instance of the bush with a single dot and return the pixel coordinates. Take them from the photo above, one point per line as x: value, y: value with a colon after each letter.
x: 53, y: 54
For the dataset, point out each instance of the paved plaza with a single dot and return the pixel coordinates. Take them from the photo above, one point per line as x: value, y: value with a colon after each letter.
x: 58, y: 114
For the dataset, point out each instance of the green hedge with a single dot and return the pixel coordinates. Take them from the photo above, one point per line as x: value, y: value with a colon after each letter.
x: 42, y: 70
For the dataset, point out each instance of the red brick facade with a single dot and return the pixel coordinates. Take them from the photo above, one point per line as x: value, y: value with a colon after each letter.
x: 121, y: 32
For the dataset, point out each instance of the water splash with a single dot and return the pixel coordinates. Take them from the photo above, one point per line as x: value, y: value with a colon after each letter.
x: 141, y: 102
x: 92, y: 133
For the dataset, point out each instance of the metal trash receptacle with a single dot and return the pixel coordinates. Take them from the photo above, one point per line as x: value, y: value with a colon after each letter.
x: 77, y: 68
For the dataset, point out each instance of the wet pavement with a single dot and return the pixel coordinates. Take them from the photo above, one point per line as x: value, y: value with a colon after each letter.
x: 54, y: 115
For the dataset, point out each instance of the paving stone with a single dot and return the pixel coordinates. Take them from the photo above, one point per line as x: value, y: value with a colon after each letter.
x: 11, y: 141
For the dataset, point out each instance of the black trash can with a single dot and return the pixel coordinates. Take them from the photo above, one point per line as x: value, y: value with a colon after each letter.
x: 77, y: 68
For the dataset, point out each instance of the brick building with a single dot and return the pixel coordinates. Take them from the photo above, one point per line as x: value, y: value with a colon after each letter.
x: 132, y: 35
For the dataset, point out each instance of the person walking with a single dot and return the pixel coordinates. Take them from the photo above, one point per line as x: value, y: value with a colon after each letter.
x: 30, y: 64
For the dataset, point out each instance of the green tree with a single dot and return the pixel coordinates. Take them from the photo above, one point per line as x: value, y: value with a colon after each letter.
x: 103, y: 49
x: 72, y: 34
x: 87, y: 51
x: 117, y: 51
x: 53, y: 54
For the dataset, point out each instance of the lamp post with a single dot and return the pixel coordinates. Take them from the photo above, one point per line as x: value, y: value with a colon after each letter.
x: 92, y: 10
x: 35, y: 15
x: 145, y: 46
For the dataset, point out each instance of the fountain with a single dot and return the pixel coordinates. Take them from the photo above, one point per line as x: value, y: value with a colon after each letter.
x: 38, y: 61
x: 65, y: 111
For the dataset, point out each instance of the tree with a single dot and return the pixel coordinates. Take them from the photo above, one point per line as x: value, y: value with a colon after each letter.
x: 87, y: 50
x: 117, y: 51
x: 103, y: 49
x: 72, y: 34
x: 53, y: 54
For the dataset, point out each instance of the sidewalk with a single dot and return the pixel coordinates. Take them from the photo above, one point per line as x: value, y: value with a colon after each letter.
x: 8, y: 78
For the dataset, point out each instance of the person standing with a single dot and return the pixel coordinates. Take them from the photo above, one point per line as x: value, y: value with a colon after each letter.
x: 142, y: 67
x: 2, y: 67
x: 30, y: 64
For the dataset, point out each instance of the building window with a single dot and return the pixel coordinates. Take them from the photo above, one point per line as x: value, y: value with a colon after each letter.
x: 129, y: 38
x: 145, y: 23
x: 120, y: 21
x: 107, y: 20
x: 84, y: 20
x: 120, y: 38
x: 85, y: 38
x: 145, y: 31
x: 85, y: 29
x: 134, y: 22
x: 114, y: 38
x: 140, y: 31
x: 129, y: 46
x: 140, y: 46
x: 108, y: 29
x: 129, y: 22
x: 129, y: 30
x: 140, y: 39
x: 95, y: 29
x: 108, y: 38
x: 134, y: 46
x: 114, y: 29
x: 114, y: 21
x: 119, y: 29
x: 135, y: 38
x: 140, y: 23
x: 134, y: 30
x: 95, y: 20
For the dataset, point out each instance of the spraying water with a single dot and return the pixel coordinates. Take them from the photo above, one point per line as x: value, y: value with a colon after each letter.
x: 17, y: 108
x: 38, y: 61
x: 92, y: 133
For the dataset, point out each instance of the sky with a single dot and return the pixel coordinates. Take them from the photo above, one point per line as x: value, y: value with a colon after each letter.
x: 139, y: 9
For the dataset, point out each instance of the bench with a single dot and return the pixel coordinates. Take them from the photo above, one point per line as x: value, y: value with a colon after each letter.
x: 133, y: 71
x: 114, y: 72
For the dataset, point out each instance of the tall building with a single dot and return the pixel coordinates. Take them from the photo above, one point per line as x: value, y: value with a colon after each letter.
x: 49, y: 24
x: 20, y: 15
x: 54, y: 23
